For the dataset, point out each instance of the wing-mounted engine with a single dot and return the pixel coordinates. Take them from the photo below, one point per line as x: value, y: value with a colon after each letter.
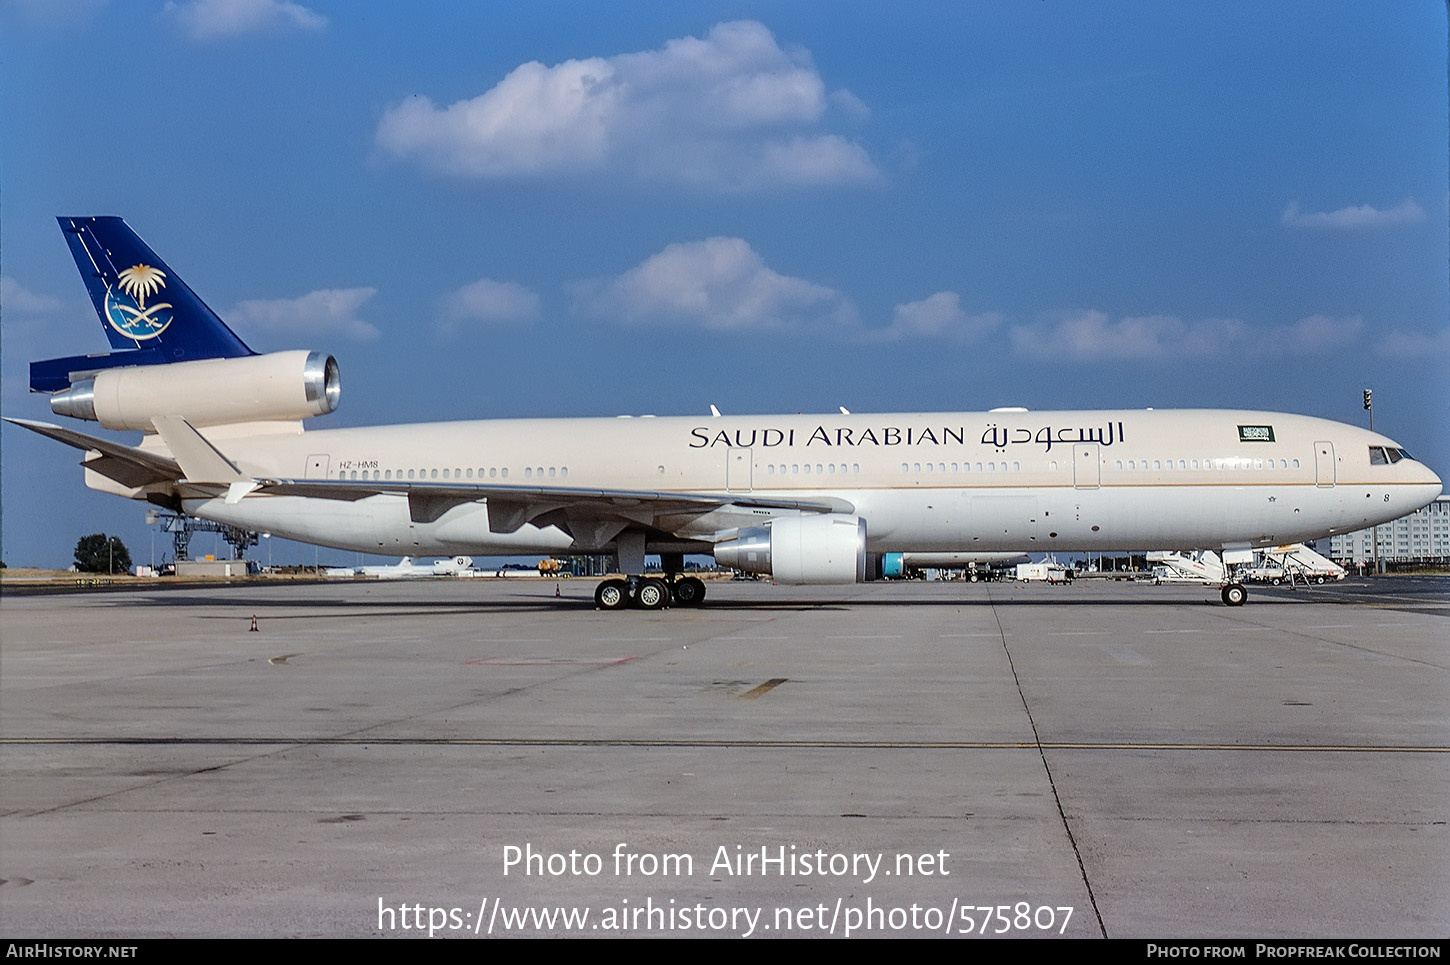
x: 281, y: 386
x: 800, y: 549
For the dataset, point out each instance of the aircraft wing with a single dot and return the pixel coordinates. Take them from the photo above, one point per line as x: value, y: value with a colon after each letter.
x: 591, y: 513
x: 510, y: 506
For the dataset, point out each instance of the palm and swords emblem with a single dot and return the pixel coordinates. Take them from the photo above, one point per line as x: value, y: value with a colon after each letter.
x: 137, y: 320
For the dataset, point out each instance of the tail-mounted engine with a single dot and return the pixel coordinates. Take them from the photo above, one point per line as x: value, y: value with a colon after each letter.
x: 281, y: 386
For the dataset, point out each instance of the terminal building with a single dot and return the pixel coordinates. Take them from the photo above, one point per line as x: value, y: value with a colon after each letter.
x: 1421, y: 537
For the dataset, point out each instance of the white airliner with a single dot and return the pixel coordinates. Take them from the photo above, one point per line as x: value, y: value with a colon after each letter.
x: 802, y: 498
x: 406, y: 569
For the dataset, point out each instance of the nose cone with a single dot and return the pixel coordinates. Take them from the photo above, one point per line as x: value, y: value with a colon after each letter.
x: 1423, y: 488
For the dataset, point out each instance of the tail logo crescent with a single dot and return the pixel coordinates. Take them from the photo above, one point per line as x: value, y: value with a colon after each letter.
x: 126, y: 308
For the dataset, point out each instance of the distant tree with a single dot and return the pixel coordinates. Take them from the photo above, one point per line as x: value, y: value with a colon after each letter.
x: 99, y: 553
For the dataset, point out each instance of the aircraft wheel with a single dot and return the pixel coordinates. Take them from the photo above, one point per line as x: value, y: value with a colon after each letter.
x: 611, y: 595
x: 689, y: 591
x: 653, y: 594
x: 1319, y: 579
x: 1276, y: 581
x: 972, y: 578
x: 1234, y: 594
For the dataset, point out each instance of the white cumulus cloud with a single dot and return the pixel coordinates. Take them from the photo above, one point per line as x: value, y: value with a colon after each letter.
x: 1313, y: 335
x: 328, y: 311
x: 719, y: 284
x: 1091, y: 336
x: 1416, y: 346
x: 39, y: 326
x: 487, y: 300
x: 938, y: 316
x: 205, y: 19
x: 1354, y: 217
x: 14, y: 297
x: 729, y: 110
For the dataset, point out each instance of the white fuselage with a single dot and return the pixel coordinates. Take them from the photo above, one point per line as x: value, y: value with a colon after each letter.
x: 997, y: 481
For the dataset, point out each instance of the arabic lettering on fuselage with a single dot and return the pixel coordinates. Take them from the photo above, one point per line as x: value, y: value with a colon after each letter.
x: 998, y: 437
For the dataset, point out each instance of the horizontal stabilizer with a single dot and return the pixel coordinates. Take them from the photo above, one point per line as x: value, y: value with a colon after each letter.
x: 131, y: 466
x: 56, y: 375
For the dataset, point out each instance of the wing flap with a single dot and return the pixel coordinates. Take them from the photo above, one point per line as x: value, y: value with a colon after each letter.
x: 621, y: 500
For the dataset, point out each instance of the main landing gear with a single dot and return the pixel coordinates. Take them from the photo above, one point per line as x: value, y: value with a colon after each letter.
x: 1234, y: 594
x: 649, y: 592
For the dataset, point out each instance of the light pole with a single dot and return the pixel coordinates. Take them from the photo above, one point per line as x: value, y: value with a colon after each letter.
x: 1369, y: 407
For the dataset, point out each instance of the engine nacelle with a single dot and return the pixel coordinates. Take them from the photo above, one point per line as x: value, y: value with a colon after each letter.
x: 281, y: 386
x: 800, y: 549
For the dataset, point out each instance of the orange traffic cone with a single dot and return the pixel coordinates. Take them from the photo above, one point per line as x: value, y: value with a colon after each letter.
x: 254, y: 624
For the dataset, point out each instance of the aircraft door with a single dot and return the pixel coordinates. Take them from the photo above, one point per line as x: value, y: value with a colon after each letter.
x: 316, y: 466
x: 1086, y: 466
x: 738, y: 470
x: 1324, y: 464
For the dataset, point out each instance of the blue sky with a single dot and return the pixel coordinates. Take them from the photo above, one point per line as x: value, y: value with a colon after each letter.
x: 488, y: 210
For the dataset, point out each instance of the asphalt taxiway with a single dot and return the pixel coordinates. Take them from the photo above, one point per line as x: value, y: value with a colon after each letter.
x: 481, y: 757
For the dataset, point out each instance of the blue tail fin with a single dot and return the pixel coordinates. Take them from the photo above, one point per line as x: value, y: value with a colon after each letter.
x: 148, y: 313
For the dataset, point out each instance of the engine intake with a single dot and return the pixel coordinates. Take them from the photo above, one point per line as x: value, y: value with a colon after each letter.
x: 800, y: 549
x: 281, y: 386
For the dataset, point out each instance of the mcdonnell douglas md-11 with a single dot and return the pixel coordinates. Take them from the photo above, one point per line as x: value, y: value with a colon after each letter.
x: 799, y: 498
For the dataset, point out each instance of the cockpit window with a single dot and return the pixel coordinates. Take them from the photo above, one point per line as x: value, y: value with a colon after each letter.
x: 1387, y: 455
